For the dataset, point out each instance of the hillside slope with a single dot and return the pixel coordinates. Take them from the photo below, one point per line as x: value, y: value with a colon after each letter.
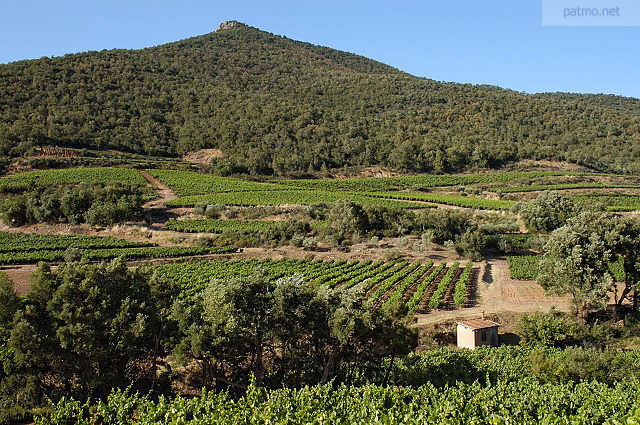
x: 272, y: 104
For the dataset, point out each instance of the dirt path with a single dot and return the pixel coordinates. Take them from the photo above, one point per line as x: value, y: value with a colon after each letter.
x: 156, y: 213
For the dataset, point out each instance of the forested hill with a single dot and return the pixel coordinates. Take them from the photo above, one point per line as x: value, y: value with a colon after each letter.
x: 272, y: 104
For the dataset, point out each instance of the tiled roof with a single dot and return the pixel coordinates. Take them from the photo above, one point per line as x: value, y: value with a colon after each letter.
x: 478, y: 324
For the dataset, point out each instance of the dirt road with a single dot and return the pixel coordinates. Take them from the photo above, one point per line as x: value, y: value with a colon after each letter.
x: 156, y: 212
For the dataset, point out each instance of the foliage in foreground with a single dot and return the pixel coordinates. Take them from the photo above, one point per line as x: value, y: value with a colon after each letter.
x: 524, y: 402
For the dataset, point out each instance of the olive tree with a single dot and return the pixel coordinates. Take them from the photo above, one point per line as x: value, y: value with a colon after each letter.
x: 576, y: 261
x: 549, y: 211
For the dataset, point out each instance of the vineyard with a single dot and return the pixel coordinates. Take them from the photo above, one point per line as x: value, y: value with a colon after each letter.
x: 385, y: 282
x: 374, y: 184
x: 526, y: 268
x: 523, y: 401
x: 617, y: 202
x: 109, y: 253
x: 404, y: 192
x: 221, y: 226
x: 68, y: 176
x: 288, y: 197
x: 566, y: 186
x: 523, y: 267
x: 22, y: 248
x: 26, y: 242
x: 186, y: 183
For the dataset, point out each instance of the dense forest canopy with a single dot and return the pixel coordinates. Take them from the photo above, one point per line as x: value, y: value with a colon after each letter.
x: 274, y: 105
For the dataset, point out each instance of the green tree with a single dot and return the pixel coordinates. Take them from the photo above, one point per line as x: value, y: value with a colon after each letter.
x: 347, y: 218
x: 288, y: 332
x: 444, y: 224
x: 576, y: 261
x: 547, y: 212
x: 627, y: 246
x: 470, y: 244
x: 9, y: 304
x: 85, y: 329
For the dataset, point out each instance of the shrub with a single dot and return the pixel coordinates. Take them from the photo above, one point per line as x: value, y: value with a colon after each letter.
x: 296, y: 240
x: 200, y: 208
x: 544, y: 329
x: 310, y: 243
x: 212, y: 211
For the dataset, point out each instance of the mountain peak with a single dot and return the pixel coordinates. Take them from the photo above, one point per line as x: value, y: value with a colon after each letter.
x: 226, y: 25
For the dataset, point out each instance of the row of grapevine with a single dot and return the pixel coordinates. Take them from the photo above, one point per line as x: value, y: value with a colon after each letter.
x: 221, y: 226
x: 27, y: 242
x: 288, y: 197
x: 520, y: 401
x: 454, y: 200
x: 216, y: 226
x: 351, y: 266
x: 523, y: 266
x: 186, y: 183
x: 566, y: 186
x: 328, y: 266
x: 376, y: 269
x: 67, y: 176
x: 364, y: 267
x: 380, y: 277
x: 437, y: 297
x: 108, y: 253
x: 372, y: 184
x: 419, y: 293
x: 388, y: 283
x: 617, y: 202
x: 374, y: 281
x: 460, y: 293
x: 401, y: 290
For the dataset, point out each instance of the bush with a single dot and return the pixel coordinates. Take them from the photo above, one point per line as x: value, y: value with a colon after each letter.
x: 549, y: 330
x: 203, y: 241
x: 97, y: 204
x: 212, y: 211
x: 331, y: 241
x: 310, y: 243
x: 317, y: 211
x: 200, y: 208
x: 101, y: 214
x: 296, y: 240
x: 470, y: 244
x: 72, y: 254
x: 549, y: 211
x: 505, y: 245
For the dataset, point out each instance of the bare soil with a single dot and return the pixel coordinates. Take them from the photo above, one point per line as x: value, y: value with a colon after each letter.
x: 203, y: 156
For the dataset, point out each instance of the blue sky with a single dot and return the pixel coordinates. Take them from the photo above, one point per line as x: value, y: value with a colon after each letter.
x: 498, y: 42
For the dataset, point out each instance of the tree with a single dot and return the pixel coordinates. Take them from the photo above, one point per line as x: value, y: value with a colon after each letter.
x: 288, y: 332
x: 445, y: 224
x: 9, y: 304
x: 470, y: 244
x: 576, y: 261
x: 547, y: 212
x: 627, y: 246
x: 347, y: 218
x: 85, y: 329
